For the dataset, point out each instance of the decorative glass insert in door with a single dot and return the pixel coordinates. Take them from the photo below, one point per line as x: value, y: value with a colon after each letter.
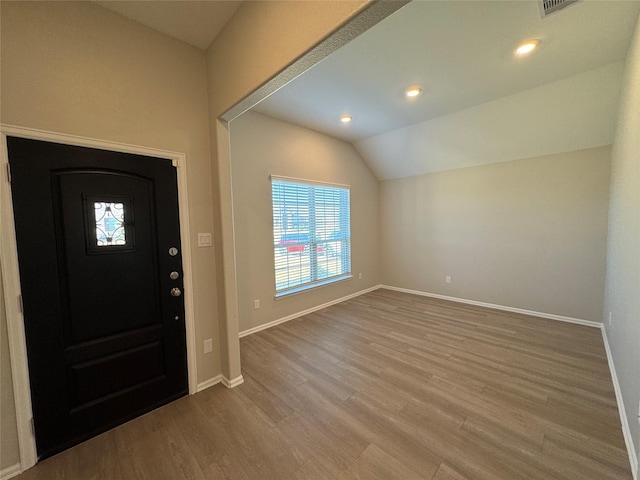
x: 109, y: 224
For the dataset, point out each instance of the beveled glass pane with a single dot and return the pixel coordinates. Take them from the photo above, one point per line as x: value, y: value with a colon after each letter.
x: 109, y: 217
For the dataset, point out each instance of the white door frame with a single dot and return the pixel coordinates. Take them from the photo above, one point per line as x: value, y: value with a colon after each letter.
x: 9, y: 270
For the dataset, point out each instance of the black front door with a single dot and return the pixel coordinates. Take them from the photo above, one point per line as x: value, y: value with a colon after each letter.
x: 98, y: 240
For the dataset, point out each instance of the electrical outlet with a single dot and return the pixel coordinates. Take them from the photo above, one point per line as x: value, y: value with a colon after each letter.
x: 609, y: 319
x: 359, y: 276
x: 208, y: 345
x: 256, y: 304
x: 447, y: 279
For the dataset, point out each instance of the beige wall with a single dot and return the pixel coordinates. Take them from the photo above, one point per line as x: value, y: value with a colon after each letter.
x: 622, y: 294
x: 76, y: 68
x: 261, y: 40
x: 262, y: 146
x: 528, y: 234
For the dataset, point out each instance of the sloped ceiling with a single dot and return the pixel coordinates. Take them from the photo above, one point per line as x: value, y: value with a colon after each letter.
x: 194, y: 22
x: 480, y: 104
x: 569, y: 114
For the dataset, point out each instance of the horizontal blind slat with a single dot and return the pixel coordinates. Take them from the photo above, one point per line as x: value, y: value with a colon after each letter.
x: 311, y: 233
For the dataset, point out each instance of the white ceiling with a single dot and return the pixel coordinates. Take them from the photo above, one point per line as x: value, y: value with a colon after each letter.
x: 480, y: 104
x: 194, y: 22
x: 570, y: 114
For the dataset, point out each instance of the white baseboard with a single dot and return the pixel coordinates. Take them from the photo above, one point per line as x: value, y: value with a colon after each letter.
x: 633, y: 459
x: 10, y: 472
x: 534, y: 313
x: 219, y: 379
x: 233, y: 382
x: 550, y: 316
x: 264, y: 326
x: 626, y: 430
x: 209, y: 383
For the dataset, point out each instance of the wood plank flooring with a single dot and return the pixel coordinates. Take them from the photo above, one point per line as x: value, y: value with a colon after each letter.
x: 384, y: 386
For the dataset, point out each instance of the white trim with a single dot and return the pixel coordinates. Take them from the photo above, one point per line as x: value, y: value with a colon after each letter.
x: 279, y: 178
x: 633, y: 459
x: 15, y: 321
x: 234, y: 382
x: 626, y: 428
x: 365, y: 18
x: 264, y: 326
x: 209, y: 383
x: 550, y: 316
x: 10, y: 472
x: 36, y: 134
x: 11, y: 283
x: 219, y: 379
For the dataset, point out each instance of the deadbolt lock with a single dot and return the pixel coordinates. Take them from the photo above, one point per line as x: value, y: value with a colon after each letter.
x: 176, y: 292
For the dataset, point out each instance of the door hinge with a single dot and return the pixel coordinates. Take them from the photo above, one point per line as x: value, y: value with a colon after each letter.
x: 33, y: 427
x: 20, y: 304
x: 8, y: 173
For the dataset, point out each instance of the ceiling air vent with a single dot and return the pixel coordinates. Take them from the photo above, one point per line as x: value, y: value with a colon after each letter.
x: 548, y: 7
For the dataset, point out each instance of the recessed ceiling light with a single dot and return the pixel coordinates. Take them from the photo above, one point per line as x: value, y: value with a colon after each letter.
x: 345, y: 118
x: 413, y: 91
x: 526, y: 47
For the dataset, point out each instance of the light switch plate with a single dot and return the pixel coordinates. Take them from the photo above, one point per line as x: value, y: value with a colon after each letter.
x: 204, y: 240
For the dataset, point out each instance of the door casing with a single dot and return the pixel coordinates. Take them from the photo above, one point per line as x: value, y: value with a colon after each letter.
x: 9, y: 270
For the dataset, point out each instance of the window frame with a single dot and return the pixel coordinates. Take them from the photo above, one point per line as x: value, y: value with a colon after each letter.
x: 315, y: 243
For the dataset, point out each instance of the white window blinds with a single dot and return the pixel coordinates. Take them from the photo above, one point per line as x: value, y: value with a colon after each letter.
x: 311, y: 233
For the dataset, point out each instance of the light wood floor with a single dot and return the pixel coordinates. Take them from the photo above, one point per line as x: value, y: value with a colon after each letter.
x: 384, y: 386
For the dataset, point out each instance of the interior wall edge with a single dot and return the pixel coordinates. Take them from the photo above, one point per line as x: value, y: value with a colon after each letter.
x: 209, y: 383
x: 293, y: 316
x: 633, y: 459
x: 550, y: 316
x: 10, y: 472
x: 225, y: 238
x: 626, y: 428
x: 369, y: 15
x: 234, y: 382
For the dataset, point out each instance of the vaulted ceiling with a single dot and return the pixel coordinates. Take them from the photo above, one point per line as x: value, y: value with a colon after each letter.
x: 480, y: 103
x: 196, y: 22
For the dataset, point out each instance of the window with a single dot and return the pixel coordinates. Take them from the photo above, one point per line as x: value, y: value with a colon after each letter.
x: 109, y: 220
x: 311, y: 233
x: 109, y: 224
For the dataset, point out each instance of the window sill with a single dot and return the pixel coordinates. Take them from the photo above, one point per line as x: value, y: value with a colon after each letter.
x: 312, y: 286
